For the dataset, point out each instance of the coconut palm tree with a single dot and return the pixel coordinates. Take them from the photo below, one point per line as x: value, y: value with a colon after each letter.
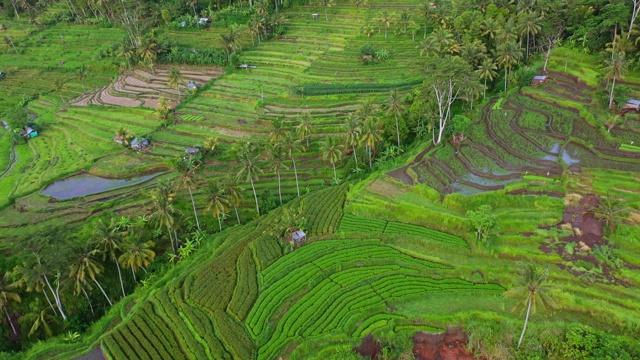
x: 327, y: 4
x: 233, y: 190
x: 531, y: 290
x: 108, y: 238
x: 246, y: 154
x: 370, y: 136
x: 426, y: 11
x: 186, y: 166
x: 304, y: 129
x: 616, y: 68
x: 8, y: 295
x: 359, y: 4
x: 164, y: 214
x: 40, y: 320
x: 529, y: 24
x: 507, y: 54
x: 385, y: 18
x: 210, y: 145
x: 218, y: 202
x: 231, y: 41
x: 81, y: 74
x: 395, y: 109
x: 137, y: 254
x: 83, y: 266
x: 30, y: 277
x: 276, y: 160
x: 278, y: 131
x: 609, y: 211
x: 124, y: 135
x: 292, y: 145
x: 332, y: 151
x: 352, y: 136
x: 487, y: 71
x: 175, y: 80
x: 473, y: 52
x: 254, y: 27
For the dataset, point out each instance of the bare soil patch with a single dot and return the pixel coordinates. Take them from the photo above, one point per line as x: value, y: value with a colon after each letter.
x: 369, y: 348
x: 449, y: 345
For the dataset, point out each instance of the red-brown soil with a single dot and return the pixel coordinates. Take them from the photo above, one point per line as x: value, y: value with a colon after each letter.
x: 370, y: 348
x: 449, y: 345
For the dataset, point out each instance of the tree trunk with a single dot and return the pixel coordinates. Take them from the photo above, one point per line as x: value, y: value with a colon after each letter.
x: 613, y: 85
x: 103, y: 292
x: 484, y: 92
x: 195, y: 213
x: 398, y: 130
x: 134, y: 275
x: 56, y: 298
x: 355, y: 156
x: 369, y: 150
x: 171, y: 239
x: 279, y: 187
x: 295, y: 172
x: 326, y: 17
x: 88, y: 301
x: 255, y: 196
x: 526, y: 320
x: 335, y: 174
x: 425, y: 30
x: 237, y: 215
x: 49, y: 301
x: 120, y: 277
x: 219, y: 223
x: 505, y: 79
x: 10, y: 322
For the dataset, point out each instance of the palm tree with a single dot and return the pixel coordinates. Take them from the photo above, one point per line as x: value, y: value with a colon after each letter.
x: 108, y: 238
x: 609, y: 210
x: 124, y: 135
x: 232, y: 190
x: 175, y: 80
x: 231, y: 41
x: 616, y: 69
x: 7, y: 295
x: 385, y: 18
x: 352, y: 136
x: 404, y: 19
x: 278, y: 131
x: 164, y: 214
x: 473, y: 52
x: 186, y: 166
x: 327, y: 4
x: 292, y: 145
x: 530, y: 291
x: 304, y: 129
x: 248, y: 167
x: 210, y: 145
x: 137, y: 254
x: 370, y: 136
x: 611, y: 121
x: 30, y: 277
x: 83, y: 266
x: 218, y: 203
x: 358, y: 4
x: 529, y: 25
x: 276, y: 159
x: 507, y: 54
x: 395, y: 108
x: 487, y: 70
x: 426, y: 11
x: 82, y: 74
x: 254, y: 27
x: 332, y: 151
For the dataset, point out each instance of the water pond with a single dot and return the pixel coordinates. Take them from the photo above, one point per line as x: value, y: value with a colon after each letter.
x: 87, y: 184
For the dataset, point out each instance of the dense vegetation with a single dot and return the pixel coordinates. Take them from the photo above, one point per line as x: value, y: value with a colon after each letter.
x: 404, y: 138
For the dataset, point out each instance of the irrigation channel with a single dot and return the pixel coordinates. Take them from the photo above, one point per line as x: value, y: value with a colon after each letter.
x: 87, y: 184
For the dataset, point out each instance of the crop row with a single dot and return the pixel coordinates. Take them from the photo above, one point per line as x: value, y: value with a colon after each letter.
x: 318, y: 89
x: 374, y: 322
x: 351, y: 223
x: 189, y: 117
x: 266, y: 250
x: 324, y: 210
x: 246, y: 289
x: 397, y: 228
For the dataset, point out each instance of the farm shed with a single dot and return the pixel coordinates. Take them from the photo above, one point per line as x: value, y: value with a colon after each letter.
x: 298, y: 236
x: 540, y: 79
x: 29, y: 132
x: 632, y: 104
x: 191, y: 85
x: 139, y: 143
x: 118, y: 139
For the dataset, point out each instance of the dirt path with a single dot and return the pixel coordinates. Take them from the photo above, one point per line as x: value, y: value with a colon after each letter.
x: 449, y: 345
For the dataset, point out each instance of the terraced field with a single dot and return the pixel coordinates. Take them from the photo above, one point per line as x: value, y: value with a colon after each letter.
x: 527, y: 134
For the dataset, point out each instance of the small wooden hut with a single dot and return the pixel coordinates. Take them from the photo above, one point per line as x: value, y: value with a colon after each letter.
x: 537, y: 80
x: 632, y: 104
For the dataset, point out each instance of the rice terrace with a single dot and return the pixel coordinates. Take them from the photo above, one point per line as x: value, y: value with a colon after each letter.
x: 319, y: 179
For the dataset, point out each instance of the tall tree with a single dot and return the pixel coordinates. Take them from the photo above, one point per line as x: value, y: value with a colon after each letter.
x: 327, y: 4
x: 175, y: 80
x: 352, y: 136
x: 8, y: 295
x: 292, y: 145
x: 83, y: 266
x: 218, y: 202
x: 231, y: 41
x: 137, y: 254
x: 246, y: 154
x: 359, y: 4
x: 164, y: 214
x: 531, y: 290
x: 446, y: 79
x: 233, y: 190
x: 108, y: 238
x: 395, y: 109
x: 81, y: 74
x: 370, y: 136
x: 487, y: 71
x: 276, y: 159
x: 186, y: 167
x: 385, y: 18
x: 332, y: 152
x: 616, y: 68
x: 304, y: 128
x: 507, y: 55
x: 529, y: 24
